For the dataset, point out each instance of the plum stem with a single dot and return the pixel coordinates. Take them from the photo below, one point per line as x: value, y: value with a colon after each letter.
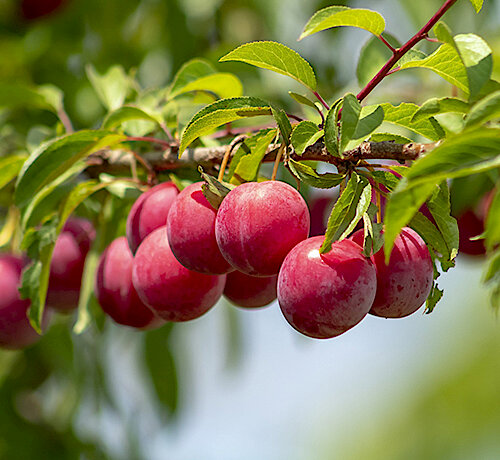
x: 277, y: 161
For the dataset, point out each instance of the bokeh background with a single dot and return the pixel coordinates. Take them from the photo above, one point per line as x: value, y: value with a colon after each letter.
x: 238, y: 384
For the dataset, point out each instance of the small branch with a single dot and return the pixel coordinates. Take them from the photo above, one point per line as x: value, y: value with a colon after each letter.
x: 63, y: 116
x: 400, y: 52
x: 153, y: 140
x: 294, y: 117
x: 147, y: 167
x: 320, y: 99
x: 277, y: 161
x: 386, y: 43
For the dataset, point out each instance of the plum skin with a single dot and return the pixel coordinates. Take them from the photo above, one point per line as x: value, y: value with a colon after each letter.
x: 405, y: 283
x: 250, y: 291
x: 114, y: 289
x: 324, y: 295
x: 68, y: 262
x: 258, y: 224
x: 170, y: 289
x: 191, y: 232
x: 149, y: 212
x: 15, y: 330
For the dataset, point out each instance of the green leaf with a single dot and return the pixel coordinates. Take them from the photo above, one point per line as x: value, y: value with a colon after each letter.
x: 373, y: 238
x: 305, y: 134
x: 471, y: 152
x: 402, y: 115
x: 447, y: 63
x: 283, y: 123
x: 302, y: 99
x: 336, y: 16
x: 112, y: 87
x: 369, y: 122
x: 45, y: 97
x: 477, y: 4
x: 224, y: 85
x: 411, y: 55
x: 308, y: 175
x: 127, y: 113
x: 213, y: 189
x: 348, y: 211
x: 188, y: 73
x: 443, y: 33
x: 484, y: 110
x: 435, y: 296
x: 51, y: 159
x: 331, y: 130
x: 219, y: 113
x: 161, y: 365
x: 373, y: 56
x: 351, y: 110
x: 10, y: 167
x: 437, y: 106
x: 383, y: 137
x: 249, y: 165
x: 276, y: 57
x: 492, y: 228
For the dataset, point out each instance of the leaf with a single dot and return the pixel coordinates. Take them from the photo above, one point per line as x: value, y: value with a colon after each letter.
x: 439, y: 206
x: 213, y: 189
x: 484, y: 110
x: 302, y: 99
x: 161, y: 365
x: 305, y: 134
x: 351, y: 110
x: 53, y: 158
x: 471, y: 152
x: 411, y: 55
x: 369, y: 122
x: 434, y: 297
x: 437, y: 106
x: 219, y: 113
x: 308, y: 175
x: 249, y: 165
x: 373, y: 55
x: 111, y: 87
x: 492, y: 227
x: 10, y: 167
x: 127, y: 113
x: 348, y: 211
x: 283, y: 123
x: 276, y: 57
x: 402, y: 115
x: 21, y: 95
x: 224, y: 85
x: 336, y: 16
x: 477, y: 4
x: 373, y: 238
x: 331, y: 130
x: 188, y: 73
x: 447, y: 63
x: 382, y: 137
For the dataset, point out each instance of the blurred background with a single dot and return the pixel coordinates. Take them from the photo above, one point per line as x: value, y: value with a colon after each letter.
x: 242, y: 384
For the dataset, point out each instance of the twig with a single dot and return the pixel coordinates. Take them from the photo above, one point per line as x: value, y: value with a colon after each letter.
x: 386, y: 43
x: 277, y: 161
x: 63, y: 116
x: 320, y: 99
x: 400, y: 52
x: 153, y: 140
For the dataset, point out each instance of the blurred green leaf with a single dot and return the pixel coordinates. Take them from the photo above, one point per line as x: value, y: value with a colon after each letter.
x: 492, y: 227
x: 224, y: 85
x: 112, y: 87
x: 191, y: 71
x: 478, y: 4
x: 373, y: 56
x: 127, y: 113
x: 276, y: 57
x: 484, y: 110
x: 10, y: 167
x: 336, y: 16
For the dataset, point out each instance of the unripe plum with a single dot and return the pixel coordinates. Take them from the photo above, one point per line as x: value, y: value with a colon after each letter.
x: 114, y: 289
x: 170, y: 289
x: 15, y: 329
x: 191, y: 232
x: 149, y: 212
x: 68, y: 261
x: 324, y: 295
x: 258, y: 224
x: 405, y: 283
x: 250, y: 291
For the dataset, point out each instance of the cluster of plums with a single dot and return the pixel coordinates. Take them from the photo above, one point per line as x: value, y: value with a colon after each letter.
x: 180, y: 255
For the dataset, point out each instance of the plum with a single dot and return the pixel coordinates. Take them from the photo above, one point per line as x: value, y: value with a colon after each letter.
x: 324, y: 295
x: 149, y: 212
x: 170, y: 289
x: 258, y: 224
x: 405, y: 283
x: 68, y: 261
x: 250, y: 291
x: 320, y: 208
x: 191, y: 232
x: 114, y: 289
x: 15, y: 329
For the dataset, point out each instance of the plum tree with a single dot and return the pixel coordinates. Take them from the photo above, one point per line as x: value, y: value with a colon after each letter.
x: 15, y: 329
x: 170, y: 289
x: 68, y: 261
x: 149, y: 212
x: 191, y: 232
x: 324, y: 295
x: 405, y: 282
x: 114, y: 289
x: 250, y: 291
x: 257, y: 225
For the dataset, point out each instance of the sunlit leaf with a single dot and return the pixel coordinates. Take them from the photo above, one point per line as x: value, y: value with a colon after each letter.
x: 437, y: 106
x: 305, y: 134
